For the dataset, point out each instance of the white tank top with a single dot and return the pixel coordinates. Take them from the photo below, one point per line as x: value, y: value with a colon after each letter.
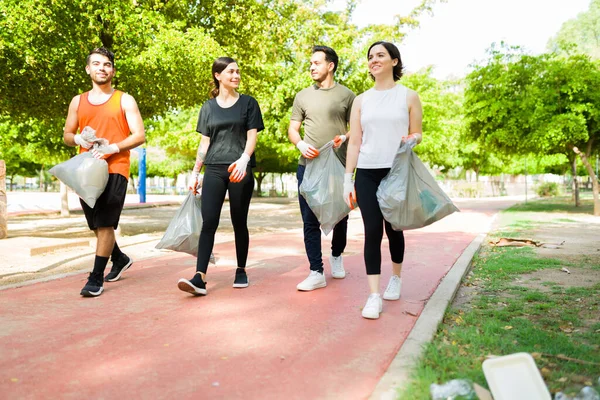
x: 384, y: 120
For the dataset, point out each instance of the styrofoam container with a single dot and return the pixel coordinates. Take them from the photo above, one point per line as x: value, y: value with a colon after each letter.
x: 515, y: 377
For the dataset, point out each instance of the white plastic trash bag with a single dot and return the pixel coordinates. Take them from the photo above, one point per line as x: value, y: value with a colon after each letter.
x: 323, y: 188
x: 85, y: 175
x: 409, y: 197
x: 183, y: 231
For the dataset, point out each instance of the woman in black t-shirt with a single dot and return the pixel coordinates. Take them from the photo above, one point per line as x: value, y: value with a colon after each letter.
x: 229, y: 123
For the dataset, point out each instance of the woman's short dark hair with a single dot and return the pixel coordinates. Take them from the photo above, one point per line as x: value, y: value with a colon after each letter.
x: 330, y: 55
x: 394, y: 53
x: 218, y: 66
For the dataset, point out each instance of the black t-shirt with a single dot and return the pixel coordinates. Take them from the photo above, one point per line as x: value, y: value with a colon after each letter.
x: 227, y: 128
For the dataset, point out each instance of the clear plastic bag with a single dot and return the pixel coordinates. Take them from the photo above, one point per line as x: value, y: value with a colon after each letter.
x: 456, y: 389
x: 85, y: 175
x: 89, y: 135
x: 409, y: 196
x: 587, y: 393
x: 323, y: 188
x: 183, y: 231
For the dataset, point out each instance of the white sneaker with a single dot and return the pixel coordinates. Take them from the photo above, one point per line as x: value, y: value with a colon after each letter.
x: 315, y: 280
x: 392, y: 292
x: 374, y: 306
x: 337, y: 267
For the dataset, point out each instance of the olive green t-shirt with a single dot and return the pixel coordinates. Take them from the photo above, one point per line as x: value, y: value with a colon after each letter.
x: 325, y: 113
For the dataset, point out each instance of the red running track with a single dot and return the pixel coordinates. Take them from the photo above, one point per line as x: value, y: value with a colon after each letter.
x: 143, y: 338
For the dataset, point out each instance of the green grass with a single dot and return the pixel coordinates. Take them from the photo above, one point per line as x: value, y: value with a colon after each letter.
x: 563, y: 204
x: 504, y: 316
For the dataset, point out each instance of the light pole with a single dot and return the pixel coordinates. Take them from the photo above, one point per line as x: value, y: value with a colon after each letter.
x: 142, y: 174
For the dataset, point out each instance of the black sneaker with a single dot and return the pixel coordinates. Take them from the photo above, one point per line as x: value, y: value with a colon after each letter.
x: 195, y: 286
x: 241, y: 279
x: 119, y: 266
x: 93, y: 287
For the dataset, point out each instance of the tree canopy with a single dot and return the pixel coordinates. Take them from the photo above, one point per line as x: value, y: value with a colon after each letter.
x: 518, y: 104
x: 580, y: 34
x: 164, y: 50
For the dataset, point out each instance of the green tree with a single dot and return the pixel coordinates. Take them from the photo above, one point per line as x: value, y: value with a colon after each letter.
x: 580, y: 34
x: 16, y: 166
x: 164, y: 53
x: 519, y: 104
x: 442, y: 118
x: 43, y: 45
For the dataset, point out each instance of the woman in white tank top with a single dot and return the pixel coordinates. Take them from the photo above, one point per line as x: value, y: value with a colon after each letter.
x: 382, y: 118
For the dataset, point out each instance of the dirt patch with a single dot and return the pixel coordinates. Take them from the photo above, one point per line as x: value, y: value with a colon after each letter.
x: 579, y: 234
x: 545, y: 279
x: 463, y: 296
x: 579, y: 250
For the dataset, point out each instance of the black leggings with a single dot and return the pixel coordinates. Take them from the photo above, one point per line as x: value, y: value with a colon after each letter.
x: 215, y: 185
x: 367, y: 182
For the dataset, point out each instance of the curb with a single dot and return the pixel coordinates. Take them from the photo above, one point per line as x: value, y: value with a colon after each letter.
x: 397, y: 375
x: 61, y: 263
x: 79, y: 209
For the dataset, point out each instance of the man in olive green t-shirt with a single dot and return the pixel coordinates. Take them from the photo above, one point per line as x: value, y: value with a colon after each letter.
x: 325, y: 110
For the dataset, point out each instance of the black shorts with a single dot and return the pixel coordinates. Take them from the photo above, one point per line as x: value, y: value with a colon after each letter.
x: 108, y: 207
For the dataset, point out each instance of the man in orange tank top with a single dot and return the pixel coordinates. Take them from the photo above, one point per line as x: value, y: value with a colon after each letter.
x: 114, y: 116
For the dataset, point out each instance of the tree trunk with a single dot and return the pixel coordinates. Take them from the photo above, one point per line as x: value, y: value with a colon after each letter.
x: 64, y: 200
x: 41, y: 185
x: 590, y: 169
x: 174, y: 191
x: 3, y: 203
x: 575, y: 183
x: 131, y: 185
x: 259, y: 178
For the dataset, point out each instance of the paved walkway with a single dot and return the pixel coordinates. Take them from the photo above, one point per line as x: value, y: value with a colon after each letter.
x: 143, y: 338
x: 22, y: 203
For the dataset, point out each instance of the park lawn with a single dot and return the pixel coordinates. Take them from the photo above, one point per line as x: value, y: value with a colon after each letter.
x: 513, y: 300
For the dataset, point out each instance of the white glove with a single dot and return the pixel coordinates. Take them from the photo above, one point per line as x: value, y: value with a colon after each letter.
x: 194, y: 182
x: 349, y: 191
x: 82, y: 142
x: 307, y: 150
x: 238, y: 168
x: 412, y: 140
x: 338, y: 140
x: 100, y: 151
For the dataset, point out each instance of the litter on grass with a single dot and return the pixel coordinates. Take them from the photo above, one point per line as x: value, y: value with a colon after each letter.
x: 505, y: 242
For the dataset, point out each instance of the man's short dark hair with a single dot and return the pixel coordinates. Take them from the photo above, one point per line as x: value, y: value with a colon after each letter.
x: 330, y: 55
x: 102, y: 51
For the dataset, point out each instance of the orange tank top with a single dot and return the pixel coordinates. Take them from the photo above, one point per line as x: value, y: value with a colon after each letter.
x: 108, y: 119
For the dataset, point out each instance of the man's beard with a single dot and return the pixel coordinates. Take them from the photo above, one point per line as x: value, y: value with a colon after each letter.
x: 319, y: 78
x: 102, y: 81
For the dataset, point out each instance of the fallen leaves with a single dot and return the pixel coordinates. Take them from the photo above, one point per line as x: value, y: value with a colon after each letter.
x: 504, y: 242
x: 566, y: 328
